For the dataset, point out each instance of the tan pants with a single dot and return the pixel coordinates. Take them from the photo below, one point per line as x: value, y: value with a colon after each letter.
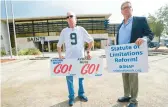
x: 130, y: 83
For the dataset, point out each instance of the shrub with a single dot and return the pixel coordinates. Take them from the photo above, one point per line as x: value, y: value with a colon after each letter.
x: 3, y: 52
x: 30, y: 51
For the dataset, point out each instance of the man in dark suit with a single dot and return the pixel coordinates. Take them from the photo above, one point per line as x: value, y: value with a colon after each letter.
x: 132, y: 30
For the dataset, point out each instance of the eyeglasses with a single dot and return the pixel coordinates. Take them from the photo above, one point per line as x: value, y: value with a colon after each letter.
x: 126, y: 7
x: 71, y: 16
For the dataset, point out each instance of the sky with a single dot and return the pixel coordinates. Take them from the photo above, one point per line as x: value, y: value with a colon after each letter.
x: 43, y: 8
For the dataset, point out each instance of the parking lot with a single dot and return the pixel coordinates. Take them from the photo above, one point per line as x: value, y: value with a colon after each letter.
x: 27, y: 83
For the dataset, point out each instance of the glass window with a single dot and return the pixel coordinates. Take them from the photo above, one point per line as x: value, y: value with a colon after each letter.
x: 52, y: 33
x: 41, y: 34
x: 24, y: 35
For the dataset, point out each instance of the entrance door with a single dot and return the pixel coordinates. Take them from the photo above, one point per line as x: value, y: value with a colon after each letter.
x: 53, y: 46
x: 45, y: 46
x: 97, y: 44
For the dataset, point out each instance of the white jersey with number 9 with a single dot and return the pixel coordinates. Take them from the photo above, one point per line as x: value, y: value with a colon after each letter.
x: 74, y: 40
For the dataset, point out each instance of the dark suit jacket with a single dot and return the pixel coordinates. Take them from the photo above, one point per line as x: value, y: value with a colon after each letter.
x: 140, y: 29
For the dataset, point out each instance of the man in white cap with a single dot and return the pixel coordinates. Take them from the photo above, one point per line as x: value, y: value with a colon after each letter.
x: 74, y: 38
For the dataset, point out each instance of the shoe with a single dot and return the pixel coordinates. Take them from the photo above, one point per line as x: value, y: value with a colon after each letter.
x: 124, y: 99
x: 71, y: 102
x: 83, y: 98
x: 132, y: 105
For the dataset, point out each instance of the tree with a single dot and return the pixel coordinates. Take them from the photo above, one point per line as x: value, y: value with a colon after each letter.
x: 156, y: 25
x: 158, y: 22
x: 162, y: 14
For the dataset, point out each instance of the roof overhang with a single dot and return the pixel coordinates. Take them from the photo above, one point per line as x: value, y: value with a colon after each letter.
x: 106, y: 16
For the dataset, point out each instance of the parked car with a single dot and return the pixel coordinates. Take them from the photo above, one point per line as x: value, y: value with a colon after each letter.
x: 166, y: 45
x: 153, y: 44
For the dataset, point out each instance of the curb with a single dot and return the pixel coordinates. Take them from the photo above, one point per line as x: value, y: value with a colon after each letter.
x: 10, y: 62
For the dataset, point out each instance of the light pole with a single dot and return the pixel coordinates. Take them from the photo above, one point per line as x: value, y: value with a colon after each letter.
x: 14, y: 31
x: 10, y: 49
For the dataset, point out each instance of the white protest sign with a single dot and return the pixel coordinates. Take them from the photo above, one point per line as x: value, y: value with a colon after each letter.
x: 60, y: 67
x: 76, y: 67
x: 127, y: 58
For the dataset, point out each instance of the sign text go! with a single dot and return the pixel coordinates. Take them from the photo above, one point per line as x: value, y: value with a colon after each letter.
x: 76, y: 67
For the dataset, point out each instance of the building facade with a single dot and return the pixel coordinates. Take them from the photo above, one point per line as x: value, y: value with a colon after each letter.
x: 45, y: 31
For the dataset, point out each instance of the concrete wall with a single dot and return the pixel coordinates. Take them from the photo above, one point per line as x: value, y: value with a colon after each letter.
x: 22, y: 43
x: 103, y: 44
x: 101, y: 36
x: 5, y: 44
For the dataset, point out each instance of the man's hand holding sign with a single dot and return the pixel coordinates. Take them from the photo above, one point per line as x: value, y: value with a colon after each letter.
x: 139, y: 41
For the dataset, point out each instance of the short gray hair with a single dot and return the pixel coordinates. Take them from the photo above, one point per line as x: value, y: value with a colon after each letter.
x: 125, y: 3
